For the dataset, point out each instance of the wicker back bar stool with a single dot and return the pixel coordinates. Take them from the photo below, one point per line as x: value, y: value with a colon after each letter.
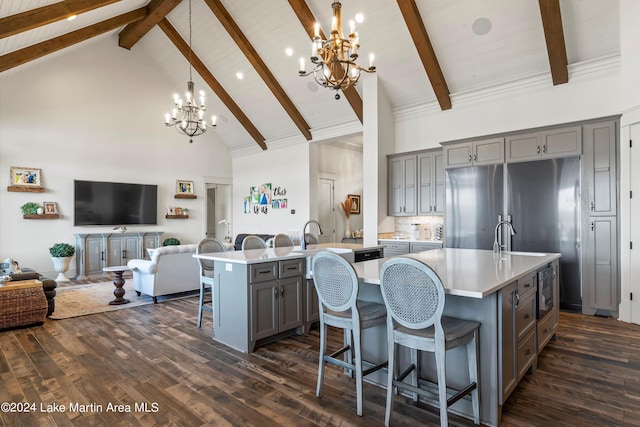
x: 207, y: 245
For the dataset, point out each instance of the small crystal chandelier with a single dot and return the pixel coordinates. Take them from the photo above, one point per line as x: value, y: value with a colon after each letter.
x: 335, y: 59
x: 188, y: 117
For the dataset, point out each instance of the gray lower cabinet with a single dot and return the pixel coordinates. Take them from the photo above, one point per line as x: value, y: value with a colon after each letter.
x: 98, y: 250
x: 600, y: 267
x: 311, y: 305
x: 422, y: 246
x: 254, y: 302
x: 395, y: 248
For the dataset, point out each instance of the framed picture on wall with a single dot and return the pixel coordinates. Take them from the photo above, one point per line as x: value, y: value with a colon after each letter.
x: 179, y: 211
x: 184, y: 187
x: 355, y: 203
x: 30, y: 177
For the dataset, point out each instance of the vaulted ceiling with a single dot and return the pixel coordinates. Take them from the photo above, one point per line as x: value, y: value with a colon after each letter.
x: 427, y: 52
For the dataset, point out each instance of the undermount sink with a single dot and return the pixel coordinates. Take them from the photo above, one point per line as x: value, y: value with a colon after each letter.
x: 526, y: 253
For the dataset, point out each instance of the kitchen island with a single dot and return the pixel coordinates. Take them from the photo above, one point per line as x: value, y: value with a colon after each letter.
x: 498, y: 290
x: 264, y: 294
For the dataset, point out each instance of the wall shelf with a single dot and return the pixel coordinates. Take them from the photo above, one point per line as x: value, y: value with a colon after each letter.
x: 25, y: 189
x: 176, y: 216
x: 42, y: 216
x: 186, y: 196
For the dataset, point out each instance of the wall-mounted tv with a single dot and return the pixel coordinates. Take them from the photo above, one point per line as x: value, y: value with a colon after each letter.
x: 115, y: 203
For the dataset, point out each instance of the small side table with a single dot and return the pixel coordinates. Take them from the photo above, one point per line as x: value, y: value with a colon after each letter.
x: 119, y: 291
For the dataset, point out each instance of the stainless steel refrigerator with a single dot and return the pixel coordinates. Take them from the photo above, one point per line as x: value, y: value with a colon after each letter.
x: 540, y: 198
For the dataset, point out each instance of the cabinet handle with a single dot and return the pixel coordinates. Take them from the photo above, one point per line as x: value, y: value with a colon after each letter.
x: 292, y: 267
x: 538, y: 149
x: 275, y: 293
x: 101, y: 255
x: 527, y: 352
x: 544, y: 148
x: 281, y: 292
x: 517, y: 299
x: 470, y: 158
x: 527, y: 285
x: 593, y: 206
x: 545, y: 330
x: 124, y: 254
x: 592, y: 226
x: 475, y: 157
x: 526, y: 316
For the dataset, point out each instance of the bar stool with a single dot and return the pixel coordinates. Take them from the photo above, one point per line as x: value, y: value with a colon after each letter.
x: 207, y: 245
x: 253, y: 242
x: 281, y: 240
x: 336, y: 282
x: 414, y: 298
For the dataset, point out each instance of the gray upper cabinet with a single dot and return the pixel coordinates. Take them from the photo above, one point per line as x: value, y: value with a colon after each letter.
x: 599, y: 166
x: 431, y: 179
x: 546, y: 144
x: 474, y: 153
x: 402, y: 185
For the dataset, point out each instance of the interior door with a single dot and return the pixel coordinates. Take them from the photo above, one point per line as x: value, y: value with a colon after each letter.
x: 211, y: 213
x: 326, y: 210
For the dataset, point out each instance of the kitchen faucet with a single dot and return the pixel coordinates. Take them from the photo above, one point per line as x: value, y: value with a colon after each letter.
x: 497, y: 247
x: 303, y: 242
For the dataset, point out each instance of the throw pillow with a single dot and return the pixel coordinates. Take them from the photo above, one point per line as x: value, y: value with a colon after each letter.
x: 9, y: 266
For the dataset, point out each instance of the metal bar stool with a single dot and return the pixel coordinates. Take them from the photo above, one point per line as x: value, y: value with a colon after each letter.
x: 414, y: 297
x: 207, y: 245
x: 337, y: 285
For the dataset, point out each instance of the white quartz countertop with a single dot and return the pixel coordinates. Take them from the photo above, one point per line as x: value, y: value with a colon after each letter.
x: 411, y: 240
x: 253, y: 256
x: 468, y: 272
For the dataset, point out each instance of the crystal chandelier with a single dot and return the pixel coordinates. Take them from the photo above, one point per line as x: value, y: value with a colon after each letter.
x: 188, y: 117
x: 334, y: 60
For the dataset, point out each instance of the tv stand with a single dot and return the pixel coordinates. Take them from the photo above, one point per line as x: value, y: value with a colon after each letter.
x: 95, y: 251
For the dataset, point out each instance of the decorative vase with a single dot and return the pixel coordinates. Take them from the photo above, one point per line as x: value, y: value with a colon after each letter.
x: 347, y: 231
x: 39, y: 211
x: 61, y: 265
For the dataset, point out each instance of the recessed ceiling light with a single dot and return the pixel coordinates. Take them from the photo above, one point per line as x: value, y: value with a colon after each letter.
x: 481, y: 26
x: 359, y: 18
x: 239, y: 75
x: 72, y: 17
x: 288, y: 51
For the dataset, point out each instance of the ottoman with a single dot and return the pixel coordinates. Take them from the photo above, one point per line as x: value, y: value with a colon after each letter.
x: 48, y: 285
x: 22, y: 303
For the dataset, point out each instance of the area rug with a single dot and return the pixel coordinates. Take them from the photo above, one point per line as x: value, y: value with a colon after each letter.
x: 80, y: 300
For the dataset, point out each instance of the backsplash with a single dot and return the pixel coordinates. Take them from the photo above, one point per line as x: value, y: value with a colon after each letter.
x: 426, y: 228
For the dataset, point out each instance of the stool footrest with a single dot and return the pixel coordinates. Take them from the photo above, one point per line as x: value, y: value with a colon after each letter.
x: 339, y: 352
x: 430, y: 394
x: 407, y: 371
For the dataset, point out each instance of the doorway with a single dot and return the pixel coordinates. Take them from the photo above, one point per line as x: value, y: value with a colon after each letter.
x: 218, y: 211
x: 326, y: 210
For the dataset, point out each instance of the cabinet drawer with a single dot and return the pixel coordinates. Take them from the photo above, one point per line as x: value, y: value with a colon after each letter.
x: 545, y: 331
x: 263, y: 272
x: 420, y: 247
x: 526, y: 353
x: 291, y: 268
x: 526, y: 285
x: 525, y: 314
x: 396, y: 247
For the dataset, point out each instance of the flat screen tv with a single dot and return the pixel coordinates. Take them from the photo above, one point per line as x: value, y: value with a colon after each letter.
x: 115, y: 203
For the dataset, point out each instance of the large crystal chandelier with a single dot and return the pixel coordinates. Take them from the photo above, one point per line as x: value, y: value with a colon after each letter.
x: 188, y: 116
x: 334, y: 60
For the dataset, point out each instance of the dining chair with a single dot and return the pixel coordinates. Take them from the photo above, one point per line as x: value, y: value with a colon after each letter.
x: 207, y: 245
x: 336, y: 283
x: 414, y: 297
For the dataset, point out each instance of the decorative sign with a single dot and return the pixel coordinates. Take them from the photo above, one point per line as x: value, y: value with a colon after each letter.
x: 263, y: 197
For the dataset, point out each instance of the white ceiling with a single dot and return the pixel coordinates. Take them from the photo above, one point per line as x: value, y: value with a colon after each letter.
x: 513, y: 49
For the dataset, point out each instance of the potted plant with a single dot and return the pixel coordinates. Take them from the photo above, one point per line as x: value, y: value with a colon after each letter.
x: 31, y: 208
x: 171, y: 241
x: 61, y: 254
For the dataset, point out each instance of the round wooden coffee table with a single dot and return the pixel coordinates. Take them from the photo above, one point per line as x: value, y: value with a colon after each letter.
x: 119, y: 291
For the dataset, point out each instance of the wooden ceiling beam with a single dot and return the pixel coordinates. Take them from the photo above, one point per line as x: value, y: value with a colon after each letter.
x: 157, y: 10
x: 36, y: 51
x: 34, y: 18
x: 206, y: 75
x: 554, y: 36
x: 418, y: 32
x: 306, y: 18
x: 258, y: 64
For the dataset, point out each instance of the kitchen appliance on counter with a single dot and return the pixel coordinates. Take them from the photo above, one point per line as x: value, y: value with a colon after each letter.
x: 541, y: 199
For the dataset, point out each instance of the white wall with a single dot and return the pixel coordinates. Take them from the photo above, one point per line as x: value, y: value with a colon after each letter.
x: 286, y: 167
x: 95, y: 112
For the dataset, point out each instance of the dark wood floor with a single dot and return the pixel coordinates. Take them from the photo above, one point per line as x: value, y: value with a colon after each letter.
x: 155, y: 355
